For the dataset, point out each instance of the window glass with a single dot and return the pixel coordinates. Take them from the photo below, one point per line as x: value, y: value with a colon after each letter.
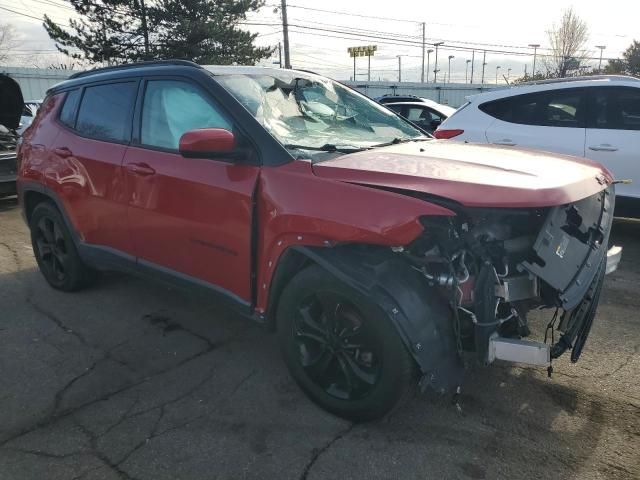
x: 171, y: 108
x: 104, y: 111
x: 616, y: 108
x: 561, y: 108
x: 68, y: 111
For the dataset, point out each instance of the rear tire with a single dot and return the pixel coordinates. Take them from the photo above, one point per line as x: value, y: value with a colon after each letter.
x: 55, y: 250
x: 341, y: 348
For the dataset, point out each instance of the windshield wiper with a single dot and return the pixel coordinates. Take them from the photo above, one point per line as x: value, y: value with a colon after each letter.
x: 397, y: 140
x: 328, y: 147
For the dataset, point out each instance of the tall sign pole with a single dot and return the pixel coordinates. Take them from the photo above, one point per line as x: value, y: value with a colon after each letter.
x: 363, y: 51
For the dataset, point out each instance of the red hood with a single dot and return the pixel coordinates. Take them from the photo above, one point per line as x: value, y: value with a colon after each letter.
x: 473, y: 175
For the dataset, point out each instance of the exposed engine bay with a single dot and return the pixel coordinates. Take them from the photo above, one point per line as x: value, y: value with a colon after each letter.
x: 494, y: 266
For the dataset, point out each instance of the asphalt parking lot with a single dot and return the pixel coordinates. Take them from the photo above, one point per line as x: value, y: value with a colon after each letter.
x: 132, y: 380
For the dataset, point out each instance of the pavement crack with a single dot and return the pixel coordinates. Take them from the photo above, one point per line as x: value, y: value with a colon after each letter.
x: 319, y: 452
x: 242, y: 382
x: 14, y: 254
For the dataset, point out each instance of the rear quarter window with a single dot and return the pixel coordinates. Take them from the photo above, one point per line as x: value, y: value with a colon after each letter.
x: 558, y: 108
x: 69, y: 108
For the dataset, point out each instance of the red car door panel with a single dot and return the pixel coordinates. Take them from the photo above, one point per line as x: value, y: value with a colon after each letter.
x: 87, y: 172
x: 193, y: 216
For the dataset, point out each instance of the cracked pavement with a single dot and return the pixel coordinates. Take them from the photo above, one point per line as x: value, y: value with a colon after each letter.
x: 133, y: 380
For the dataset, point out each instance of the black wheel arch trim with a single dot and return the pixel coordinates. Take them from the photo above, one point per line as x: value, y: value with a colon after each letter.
x: 420, y: 316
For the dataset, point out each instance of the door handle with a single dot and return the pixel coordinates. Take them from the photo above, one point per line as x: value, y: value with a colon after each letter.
x: 605, y: 147
x: 63, y: 152
x: 141, y: 169
x: 505, y: 141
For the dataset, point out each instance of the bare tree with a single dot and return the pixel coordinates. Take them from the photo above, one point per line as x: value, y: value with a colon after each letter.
x: 8, y: 41
x: 567, y: 41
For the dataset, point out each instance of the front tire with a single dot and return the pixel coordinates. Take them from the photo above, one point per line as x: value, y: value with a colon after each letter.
x: 55, y: 250
x: 341, y: 348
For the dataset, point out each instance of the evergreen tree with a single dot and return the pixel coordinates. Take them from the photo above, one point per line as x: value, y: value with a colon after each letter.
x: 207, y: 32
x: 122, y: 31
x: 111, y: 31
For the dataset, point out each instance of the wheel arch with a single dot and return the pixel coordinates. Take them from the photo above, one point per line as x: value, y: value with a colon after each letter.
x: 420, y: 315
x: 30, y: 194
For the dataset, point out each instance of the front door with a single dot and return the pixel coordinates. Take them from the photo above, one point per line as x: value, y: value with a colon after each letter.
x: 613, y: 135
x: 191, y: 216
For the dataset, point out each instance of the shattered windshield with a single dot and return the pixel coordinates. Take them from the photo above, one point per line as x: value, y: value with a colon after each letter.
x: 314, y: 115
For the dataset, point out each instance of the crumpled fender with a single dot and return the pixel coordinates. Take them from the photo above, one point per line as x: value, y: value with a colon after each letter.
x: 421, y: 316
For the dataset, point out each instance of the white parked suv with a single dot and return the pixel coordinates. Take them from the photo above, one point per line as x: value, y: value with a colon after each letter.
x: 593, y: 117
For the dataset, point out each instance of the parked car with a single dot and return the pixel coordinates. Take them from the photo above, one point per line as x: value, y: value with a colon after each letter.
x: 28, y: 113
x: 374, y: 251
x: 594, y: 117
x: 10, y: 109
x: 426, y: 115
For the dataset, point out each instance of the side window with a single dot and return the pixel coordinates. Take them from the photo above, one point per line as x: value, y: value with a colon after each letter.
x: 69, y: 108
x: 173, y: 107
x: 104, y: 111
x: 616, y: 108
x: 561, y: 108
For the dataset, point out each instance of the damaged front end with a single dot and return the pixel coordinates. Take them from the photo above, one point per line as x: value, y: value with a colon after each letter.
x: 494, y: 266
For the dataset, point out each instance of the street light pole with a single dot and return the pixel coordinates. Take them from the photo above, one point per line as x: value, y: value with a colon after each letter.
x: 473, y: 62
x: 449, y: 75
x: 497, y: 68
x: 466, y: 71
x: 435, y: 70
x: 399, y: 68
x: 484, y: 64
x: 429, y: 52
x: 601, y: 47
x: 423, y: 49
x: 508, y: 74
x: 535, y: 47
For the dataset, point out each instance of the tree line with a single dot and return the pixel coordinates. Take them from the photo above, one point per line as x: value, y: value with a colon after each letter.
x: 124, y: 31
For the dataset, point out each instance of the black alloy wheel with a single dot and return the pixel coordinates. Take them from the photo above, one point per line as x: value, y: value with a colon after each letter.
x: 337, y: 347
x: 55, y: 250
x: 341, y: 348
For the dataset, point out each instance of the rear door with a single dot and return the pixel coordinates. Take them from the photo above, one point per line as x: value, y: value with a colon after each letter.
x: 613, y: 134
x: 552, y: 121
x: 86, y: 161
x: 190, y: 216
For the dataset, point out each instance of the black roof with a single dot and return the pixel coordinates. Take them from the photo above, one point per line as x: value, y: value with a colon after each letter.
x: 127, y: 66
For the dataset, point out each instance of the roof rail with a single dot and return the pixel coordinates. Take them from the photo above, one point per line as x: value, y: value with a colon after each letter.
x: 578, y: 79
x: 149, y: 63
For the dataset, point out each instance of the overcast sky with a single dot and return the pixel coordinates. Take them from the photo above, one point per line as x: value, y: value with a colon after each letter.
x: 491, y: 24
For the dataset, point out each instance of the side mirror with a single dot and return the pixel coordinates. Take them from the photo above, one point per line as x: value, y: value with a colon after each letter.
x: 208, y: 143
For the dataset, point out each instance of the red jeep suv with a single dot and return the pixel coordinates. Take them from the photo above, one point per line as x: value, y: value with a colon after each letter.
x: 378, y: 254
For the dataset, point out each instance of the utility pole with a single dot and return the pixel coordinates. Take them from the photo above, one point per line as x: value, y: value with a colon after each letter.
x: 473, y: 61
x: 423, y: 50
x: 429, y: 52
x: 535, y: 47
x: 484, y: 64
x: 399, y: 68
x: 449, y: 75
x: 497, y: 68
x: 368, y: 68
x: 466, y: 71
x: 285, y: 33
x: 435, y: 70
x: 145, y: 30
x: 601, y: 47
x: 280, y: 54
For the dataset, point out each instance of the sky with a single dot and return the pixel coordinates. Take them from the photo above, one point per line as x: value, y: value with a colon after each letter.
x: 490, y: 24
